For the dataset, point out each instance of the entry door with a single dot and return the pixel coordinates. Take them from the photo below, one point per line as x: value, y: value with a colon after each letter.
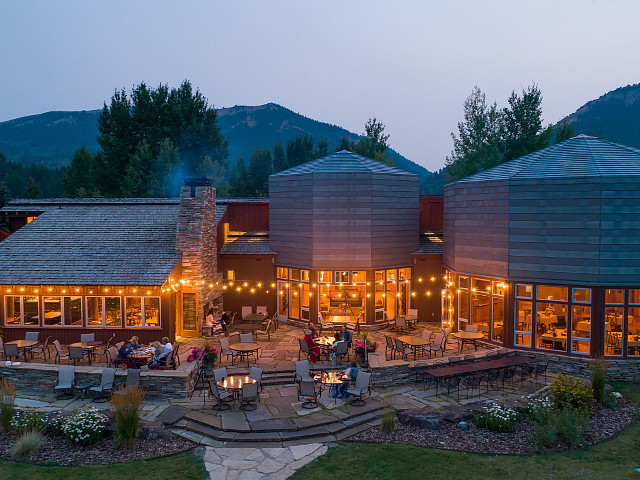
x: 188, y: 318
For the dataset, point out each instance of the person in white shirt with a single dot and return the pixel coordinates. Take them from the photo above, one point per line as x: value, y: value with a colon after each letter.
x: 167, y: 346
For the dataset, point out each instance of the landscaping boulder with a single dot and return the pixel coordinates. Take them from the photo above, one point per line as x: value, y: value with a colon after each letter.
x: 423, y: 418
x: 463, y: 425
x: 453, y: 414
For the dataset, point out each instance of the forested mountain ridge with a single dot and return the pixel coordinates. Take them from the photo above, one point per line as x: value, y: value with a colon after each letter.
x: 51, y: 138
x: 614, y: 116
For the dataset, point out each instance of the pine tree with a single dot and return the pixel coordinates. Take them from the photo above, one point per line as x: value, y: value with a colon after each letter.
x: 322, y: 149
x: 240, y: 185
x: 79, y: 175
x: 32, y: 190
x: 259, y: 171
x: 279, y: 158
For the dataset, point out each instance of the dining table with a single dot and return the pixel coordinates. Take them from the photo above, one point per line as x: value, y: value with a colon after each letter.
x: 468, y: 337
x: 233, y: 384
x: 247, y: 326
x: 245, y: 349
x: 254, y: 317
x: 332, y: 379
x: 142, y: 356
x: 24, y: 345
x: 88, y: 347
x: 325, y: 343
x: 415, y: 342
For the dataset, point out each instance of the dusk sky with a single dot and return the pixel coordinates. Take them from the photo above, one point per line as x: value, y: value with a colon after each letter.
x: 410, y: 64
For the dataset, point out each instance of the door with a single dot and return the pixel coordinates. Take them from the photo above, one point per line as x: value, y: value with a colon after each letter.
x: 188, y: 315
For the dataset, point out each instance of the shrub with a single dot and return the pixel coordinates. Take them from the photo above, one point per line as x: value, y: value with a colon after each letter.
x: 388, y: 422
x: 28, y: 421
x: 497, y: 418
x: 27, y: 444
x: 7, y: 402
x: 539, y: 409
x: 598, y: 378
x: 126, y: 405
x: 571, y: 392
x: 84, y: 426
x: 55, y: 423
x: 570, y: 424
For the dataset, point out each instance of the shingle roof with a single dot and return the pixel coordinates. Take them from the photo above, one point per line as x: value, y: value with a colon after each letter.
x: 103, y: 242
x: 580, y: 156
x: 343, y: 162
x: 247, y: 243
x: 430, y: 244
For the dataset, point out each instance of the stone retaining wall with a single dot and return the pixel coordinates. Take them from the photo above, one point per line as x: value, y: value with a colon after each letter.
x: 175, y: 384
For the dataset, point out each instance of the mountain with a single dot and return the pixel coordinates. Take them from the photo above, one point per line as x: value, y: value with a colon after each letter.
x: 51, y: 138
x: 615, y: 116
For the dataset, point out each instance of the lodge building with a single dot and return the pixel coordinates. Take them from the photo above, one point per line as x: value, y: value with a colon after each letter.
x: 542, y: 253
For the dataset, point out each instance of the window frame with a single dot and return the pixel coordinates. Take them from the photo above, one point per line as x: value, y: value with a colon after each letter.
x: 22, y: 324
x: 104, y: 311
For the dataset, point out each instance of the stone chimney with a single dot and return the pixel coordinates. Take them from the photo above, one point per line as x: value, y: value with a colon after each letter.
x: 196, y: 241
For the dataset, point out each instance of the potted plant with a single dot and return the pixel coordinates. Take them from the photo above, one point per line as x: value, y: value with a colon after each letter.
x: 360, y: 346
x: 207, y: 355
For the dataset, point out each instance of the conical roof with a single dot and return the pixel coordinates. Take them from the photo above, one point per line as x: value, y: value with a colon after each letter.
x: 343, y: 162
x: 580, y: 156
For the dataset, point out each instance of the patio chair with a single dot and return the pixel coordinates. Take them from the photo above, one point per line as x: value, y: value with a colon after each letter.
x: 262, y: 309
x: 439, y: 344
x: 419, y: 369
x: 401, y: 324
x: 491, y: 377
x: 246, y: 338
x: 11, y: 351
x: 324, y: 325
x: 176, y: 355
x: 76, y: 353
x: 112, y: 355
x: 304, y: 348
x: 360, y: 389
x: 249, y: 397
x: 222, y: 398
x: 246, y: 311
x: 390, y: 346
x: 471, y: 381
x: 133, y: 377
x: 171, y: 360
x: 525, y: 370
x: 309, y: 392
x: 266, y: 331
x: 31, y: 335
x: 303, y: 374
x: 426, y: 334
x: 59, y: 353
x: 342, y: 349
x: 402, y: 350
x: 219, y: 374
x: 225, y: 349
x: 256, y: 374
x: 44, y: 350
x: 507, y: 374
x: 66, y: 379
x: 472, y: 328
x: 449, y: 383
x: 102, y: 390
x: 87, y: 337
x: 103, y: 351
x: 541, y: 369
x: 119, y: 345
x: 455, y: 359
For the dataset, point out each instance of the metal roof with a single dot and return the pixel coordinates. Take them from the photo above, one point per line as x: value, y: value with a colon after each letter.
x: 106, y: 242
x: 430, y: 244
x: 343, y: 162
x: 247, y: 243
x: 580, y: 156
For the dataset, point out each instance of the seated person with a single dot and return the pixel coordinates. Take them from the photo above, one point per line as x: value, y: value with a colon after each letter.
x: 334, y: 358
x: 166, y: 345
x: 123, y: 356
x: 134, y: 343
x: 314, y: 332
x: 159, y: 358
x: 225, y: 318
x: 345, y: 335
x: 209, y: 320
x: 314, y: 350
x: 351, y: 373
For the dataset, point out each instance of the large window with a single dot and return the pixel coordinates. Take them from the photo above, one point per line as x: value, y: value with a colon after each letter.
x: 104, y: 311
x: 614, y: 321
x: 52, y: 311
x: 581, y: 320
x: 523, y: 324
x: 22, y: 310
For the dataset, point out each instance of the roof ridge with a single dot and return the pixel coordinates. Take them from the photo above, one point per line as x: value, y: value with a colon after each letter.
x: 534, y: 161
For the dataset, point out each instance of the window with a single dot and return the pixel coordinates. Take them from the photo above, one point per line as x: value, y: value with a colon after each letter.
x: 481, y: 286
x: 404, y: 273
x: 481, y: 311
x: 358, y: 277
x: 283, y: 272
x: 72, y: 311
x: 104, y: 311
x: 390, y: 298
x: 463, y: 307
x: 582, y: 295
x: 523, y: 324
x: 324, y: 277
x: 341, y: 277
x: 524, y: 291
x: 379, y: 276
x: 633, y: 324
x: 498, y: 319
x: 52, y: 311
x: 283, y: 299
x: 304, y: 301
x: 22, y: 310
x: 551, y: 324
x: 391, y: 275
x: 189, y: 311
x: 463, y: 282
x: 294, y: 311
x: 151, y: 311
x: 545, y: 292
x: 304, y: 275
x: 580, y: 328
x: 614, y: 297
x: 295, y: 274
x: 614, y: 317
x: 133, y: 309
x: 231, y: 275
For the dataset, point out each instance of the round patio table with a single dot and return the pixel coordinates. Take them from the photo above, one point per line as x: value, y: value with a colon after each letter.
x: 233, y: 384
x: 24, y: 345
x: 88, y: 346
x: 254, y: 317
x: 245, y: 349
x: 468, y: 337
x: 333, y: 379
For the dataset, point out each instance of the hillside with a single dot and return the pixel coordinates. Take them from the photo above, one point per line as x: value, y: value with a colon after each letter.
x: 51, y: 138
x: 614, y: 116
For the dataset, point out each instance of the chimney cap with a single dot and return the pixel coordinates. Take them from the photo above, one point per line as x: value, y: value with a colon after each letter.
x: 199, y: 181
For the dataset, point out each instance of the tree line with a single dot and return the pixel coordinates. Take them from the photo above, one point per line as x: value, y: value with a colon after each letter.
x: 489, y: 136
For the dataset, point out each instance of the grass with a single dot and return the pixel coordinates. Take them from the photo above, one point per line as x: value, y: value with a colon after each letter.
x: 616, y: 458
x: 185, y: 465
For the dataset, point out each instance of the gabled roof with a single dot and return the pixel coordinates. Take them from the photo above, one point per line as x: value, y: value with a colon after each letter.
x: 430, y: 244
x: 100, y: 242
x: 247, y: 243
x: 343, y: 162
x: 580, y: 156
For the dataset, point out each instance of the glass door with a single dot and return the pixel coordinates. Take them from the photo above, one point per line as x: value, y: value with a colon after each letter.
x: 188, y: 321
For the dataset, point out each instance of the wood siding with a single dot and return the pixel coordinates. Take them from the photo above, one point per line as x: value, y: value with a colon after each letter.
x: 429, y: 306
x: 244, y: 217
x: 354, y: 220
x: 476, y: 227
x: 431, y: 212
x: 251, y: 269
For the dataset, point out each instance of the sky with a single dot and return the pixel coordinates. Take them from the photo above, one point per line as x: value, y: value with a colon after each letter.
x: 410, y: 64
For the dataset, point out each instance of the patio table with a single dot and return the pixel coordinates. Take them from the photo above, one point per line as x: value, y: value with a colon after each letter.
x: 89, y: 347
x: 485, y: 365
x: 233, y: 384
x: 332, y: 379
x: 254, y: 317
x: 25, y: 346
x: 247, y: 326
x: 245, y: 349
x: 468, y: 337
x: 414, y: 342
x: 324, y: 343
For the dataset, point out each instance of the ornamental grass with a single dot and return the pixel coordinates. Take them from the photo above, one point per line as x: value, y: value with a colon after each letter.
x: 29, y: 443
x: 7, y: 402
x: 126, y: 405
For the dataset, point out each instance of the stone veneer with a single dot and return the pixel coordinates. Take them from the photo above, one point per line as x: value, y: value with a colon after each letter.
x: 197, y: 241
x: 158, y: 384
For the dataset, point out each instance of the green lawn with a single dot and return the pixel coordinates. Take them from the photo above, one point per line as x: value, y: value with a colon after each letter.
x: 182, y: 466
x: 616, y: 458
